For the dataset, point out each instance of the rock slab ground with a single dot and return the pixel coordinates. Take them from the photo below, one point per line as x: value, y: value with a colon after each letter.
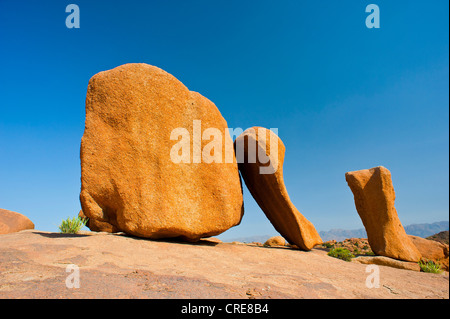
x: 33, y: 265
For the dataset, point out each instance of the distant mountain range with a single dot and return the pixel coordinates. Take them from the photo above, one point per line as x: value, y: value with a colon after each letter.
x: 421, y: 230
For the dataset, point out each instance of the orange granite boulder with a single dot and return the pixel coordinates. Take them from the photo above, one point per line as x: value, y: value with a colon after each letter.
x: 11, y: 222
x: 432, y: 250
x: 133, y: 178
x: 374, y: 199
x: 275, y: 241
x: 260, y: 154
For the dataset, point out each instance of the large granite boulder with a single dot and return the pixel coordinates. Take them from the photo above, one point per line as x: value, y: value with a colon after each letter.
x: 157, y: 159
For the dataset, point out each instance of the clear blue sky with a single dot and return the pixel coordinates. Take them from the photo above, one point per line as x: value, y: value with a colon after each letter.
x: 343, y: 97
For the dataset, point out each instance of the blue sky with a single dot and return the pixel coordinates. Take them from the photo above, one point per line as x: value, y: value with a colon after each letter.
x: 343, y: 97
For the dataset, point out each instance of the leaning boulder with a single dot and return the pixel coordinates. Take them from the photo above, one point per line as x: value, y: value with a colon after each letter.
x: 143, y: 166
x: 11, y: 222
x: 374, y: 199
x: 260, y: 153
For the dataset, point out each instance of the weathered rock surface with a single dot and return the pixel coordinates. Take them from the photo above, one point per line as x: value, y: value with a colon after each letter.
x: 11, y: 222
x: 33, y: 265
x: 432, y: 250
x: 129, y: 181
x: 275, y: 241
x: 386, y: 261
x: 264, y: 179
x: 374, y: 199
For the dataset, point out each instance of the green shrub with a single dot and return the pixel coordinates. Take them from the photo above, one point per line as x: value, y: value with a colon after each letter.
x: 328, y: 245
x: 72, y: 226
x: 430, y: 266
x: 341, y: 253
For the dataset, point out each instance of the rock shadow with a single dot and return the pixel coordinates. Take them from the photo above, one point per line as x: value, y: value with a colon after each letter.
x: 177, y: 240
x: 60, y: 235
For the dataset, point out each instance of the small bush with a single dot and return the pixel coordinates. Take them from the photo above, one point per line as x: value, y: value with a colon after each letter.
x: 430, y: 266
x: 328, y: 245
x: 341, y: 253
x: 72, y: 226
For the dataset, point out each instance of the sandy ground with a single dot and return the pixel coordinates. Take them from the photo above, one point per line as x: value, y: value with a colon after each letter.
x: 33, y: 264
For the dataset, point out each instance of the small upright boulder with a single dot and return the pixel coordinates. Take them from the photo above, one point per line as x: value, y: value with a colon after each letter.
x: 374, y: 199
x: 11, y: 222
x: 260, y: 154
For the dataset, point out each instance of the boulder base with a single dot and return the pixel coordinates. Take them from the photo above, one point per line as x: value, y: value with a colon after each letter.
x: 386, y: 261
